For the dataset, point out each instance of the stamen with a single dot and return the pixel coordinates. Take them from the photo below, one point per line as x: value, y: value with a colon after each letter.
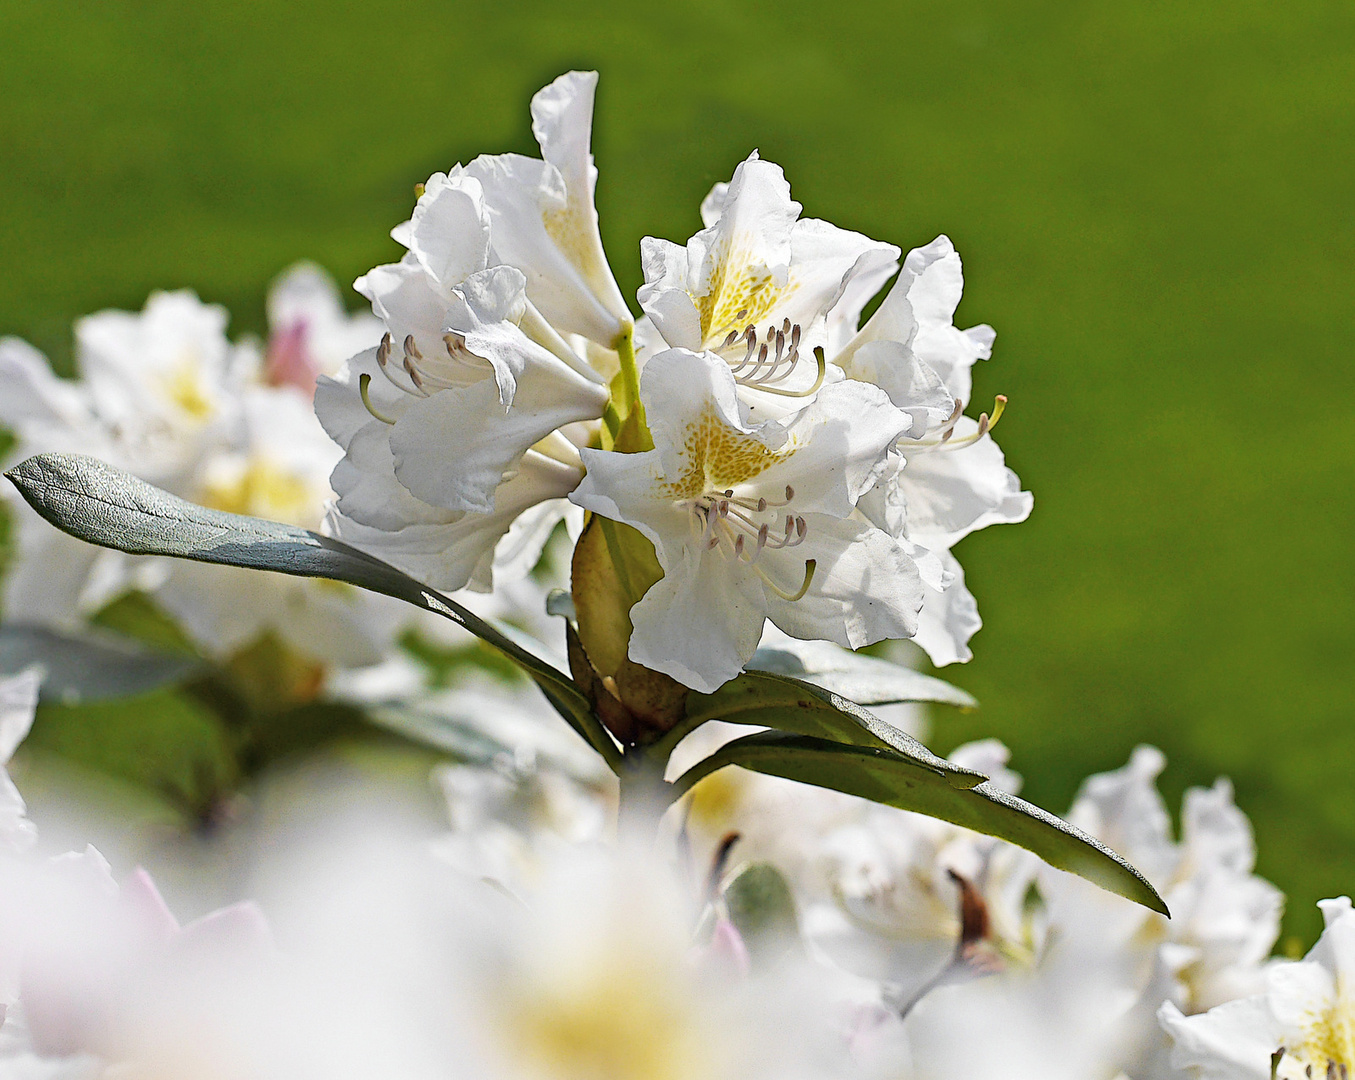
x: 383, y: 351
x: 364, y: 381
x: 810, y: 566
x: 733, y: 337
x: 986, y: 424
x: 811, y: 391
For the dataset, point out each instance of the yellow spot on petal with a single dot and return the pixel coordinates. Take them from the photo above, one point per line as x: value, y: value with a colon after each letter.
x: 719, y: 457
x: 740, y: 293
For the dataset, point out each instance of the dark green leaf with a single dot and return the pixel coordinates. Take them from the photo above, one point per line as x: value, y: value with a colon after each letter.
x: 867, y: 680
x: 886, y: 777
x: 102, y: 505
x: 765, y: 700
x: 88, y: 667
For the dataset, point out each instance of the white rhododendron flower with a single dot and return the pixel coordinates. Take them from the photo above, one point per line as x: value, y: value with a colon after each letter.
x: 1301, y: 1025
x: 452, y: 428
x: 753, y: 522
x: 165, y: 395
x: 757, y: 286
x: 766, y: 289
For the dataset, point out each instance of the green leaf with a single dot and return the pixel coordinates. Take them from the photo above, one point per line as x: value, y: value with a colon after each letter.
x: 102, y: 505
x: 762, y: 909
x: 765, y: 700
x: 867, y: 680
x: 886, y: 777
x: 88, y: 667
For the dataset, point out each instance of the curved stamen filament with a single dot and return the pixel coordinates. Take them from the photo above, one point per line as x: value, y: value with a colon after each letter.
x: 364, y: 382
x: 986, y: 424
x: 809, y: 391
x: 810, y: 566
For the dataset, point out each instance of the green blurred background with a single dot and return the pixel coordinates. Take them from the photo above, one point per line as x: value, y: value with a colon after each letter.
x: 1154, y: 206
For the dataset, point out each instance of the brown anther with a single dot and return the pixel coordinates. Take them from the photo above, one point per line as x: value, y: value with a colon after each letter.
x: 761, y: 505
x: 801, y: 527
x: 733, y: 337
x: 383, y: 351
x: 790, y: 493
x: 412, y: 348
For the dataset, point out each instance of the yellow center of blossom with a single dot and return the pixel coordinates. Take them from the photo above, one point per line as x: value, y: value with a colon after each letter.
x: 261, y: 489
x: 183, y: 386
x: 719, y: 457
x: 617, y: 1017
x: 740, y: 293
x: 1328, y: 1046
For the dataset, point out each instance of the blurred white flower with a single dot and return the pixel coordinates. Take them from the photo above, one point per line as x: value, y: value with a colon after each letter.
x: 165, y: 395
x: 753, y: 522
x: 309, y: 332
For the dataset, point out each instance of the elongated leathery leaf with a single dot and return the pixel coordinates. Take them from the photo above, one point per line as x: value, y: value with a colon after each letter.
x: 866, y: 680
x: 886, y: 777
x: 761, y: 699
x: 102, y: 505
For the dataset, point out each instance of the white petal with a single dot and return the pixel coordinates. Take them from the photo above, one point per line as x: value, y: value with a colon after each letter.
x: 865, y: 587
x: 453, y: 448
x: 948, y: 620
x: 18, y: 701
x: 952, y: 492
x: 701, y: 622
x: 458, y: 553
x: 1231, y: 1042
x: 840, y: 443
x: 449, y: 230
x: 911, y: 385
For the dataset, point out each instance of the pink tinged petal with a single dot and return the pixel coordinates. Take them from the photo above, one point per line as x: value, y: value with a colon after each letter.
x: 865, y: 587
x: 948, y: 620
x: 449, y: 230
x: 726, y: 951
x: 238, y: 930
x: 701, y: 622
x: 453, y: 449
x: 145, y: 909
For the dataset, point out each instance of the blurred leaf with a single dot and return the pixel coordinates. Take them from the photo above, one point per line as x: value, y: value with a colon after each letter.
x: 765, y: 700
x: 886, y: 777
x: 137, y: 616
x: 762, y: 909
x: 440, y: 732
x: 867, y: 680
x: 88, y: 667
x: 163, y: 741
x: 102, y: 505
